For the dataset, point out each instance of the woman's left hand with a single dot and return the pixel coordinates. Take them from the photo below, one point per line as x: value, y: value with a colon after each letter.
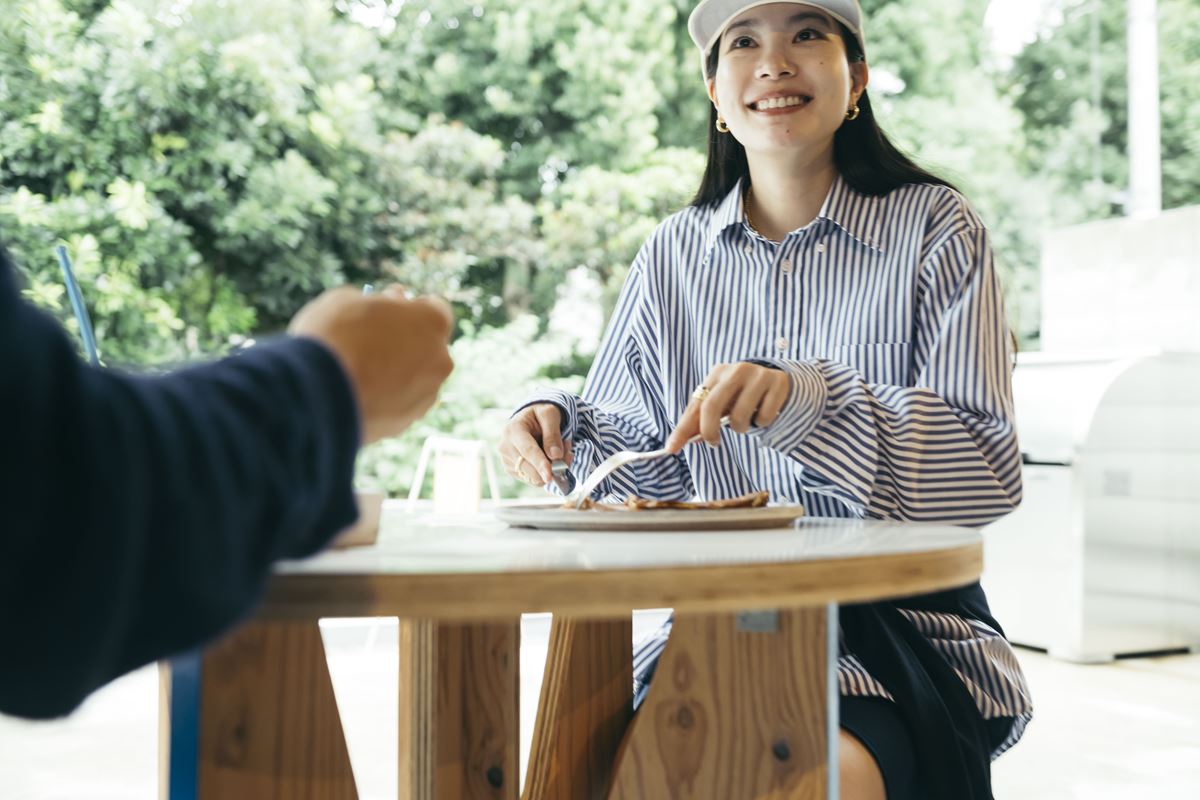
x: 746, y: 393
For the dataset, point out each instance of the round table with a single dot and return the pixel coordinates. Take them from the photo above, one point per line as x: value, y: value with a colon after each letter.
x: 743, y: 705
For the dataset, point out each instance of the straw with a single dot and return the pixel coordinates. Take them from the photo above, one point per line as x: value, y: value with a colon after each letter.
x: 81, y: 314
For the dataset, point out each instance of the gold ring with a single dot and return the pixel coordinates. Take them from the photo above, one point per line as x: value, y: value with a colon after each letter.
x: 701, y: 392
x: 517, y: 467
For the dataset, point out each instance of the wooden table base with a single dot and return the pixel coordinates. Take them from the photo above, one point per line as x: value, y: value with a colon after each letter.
x: 459, y: 724
x: 269, y: 727
x: 737, y: 709
x: 584, y: 710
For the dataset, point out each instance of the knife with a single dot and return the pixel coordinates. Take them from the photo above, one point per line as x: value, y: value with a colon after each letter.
x: 562, y: 477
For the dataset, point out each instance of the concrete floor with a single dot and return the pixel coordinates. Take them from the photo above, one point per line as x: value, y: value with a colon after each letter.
x: 1125, y: 730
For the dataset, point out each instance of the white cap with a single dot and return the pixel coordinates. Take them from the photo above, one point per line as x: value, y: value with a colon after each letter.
x: 710, y: 18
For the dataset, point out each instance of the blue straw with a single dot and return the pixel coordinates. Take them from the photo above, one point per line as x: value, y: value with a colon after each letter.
x: 81, y: 314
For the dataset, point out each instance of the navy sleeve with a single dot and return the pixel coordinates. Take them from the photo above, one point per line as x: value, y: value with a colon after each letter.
x: 140, y: 516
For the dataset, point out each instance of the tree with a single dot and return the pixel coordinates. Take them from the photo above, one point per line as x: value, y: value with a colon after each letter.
x: 598, y: 219
x: 494, y: 369
x: 926, y: 43
x: 577, y: 93
x: 562, y: 85
x: 1077, y: 142
x: 213, y: 166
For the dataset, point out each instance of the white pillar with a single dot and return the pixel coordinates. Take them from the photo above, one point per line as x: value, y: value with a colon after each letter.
x: 1145, y: 148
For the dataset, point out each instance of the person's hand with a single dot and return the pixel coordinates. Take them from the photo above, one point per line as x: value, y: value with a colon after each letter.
x: 746, y: 393
x: 394, y: 350
x: 530, y: 439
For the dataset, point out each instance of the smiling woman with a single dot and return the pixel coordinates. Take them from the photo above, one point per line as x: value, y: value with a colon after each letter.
x: 767, y: 41
x: 840, y: 306
x: 862, y: 154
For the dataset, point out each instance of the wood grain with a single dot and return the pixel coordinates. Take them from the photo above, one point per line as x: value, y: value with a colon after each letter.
x: 611, y: 593
x: 459, y: 723
x: 585, y: 707
x: 417, y: 758
x: 732, y: 714
x: 270, y: 728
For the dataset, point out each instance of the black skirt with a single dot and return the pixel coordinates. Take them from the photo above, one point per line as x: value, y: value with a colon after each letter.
x: 951, y: 742
x: 876, y: 722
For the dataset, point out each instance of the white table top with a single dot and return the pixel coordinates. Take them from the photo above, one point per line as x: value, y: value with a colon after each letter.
x: 475, y: 566
x: 424, y: 543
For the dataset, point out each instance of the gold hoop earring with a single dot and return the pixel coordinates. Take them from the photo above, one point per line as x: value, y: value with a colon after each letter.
x: 721, y: 124
x: 852, y: 114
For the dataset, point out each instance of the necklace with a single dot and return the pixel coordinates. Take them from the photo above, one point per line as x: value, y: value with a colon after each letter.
x: 750, y: 220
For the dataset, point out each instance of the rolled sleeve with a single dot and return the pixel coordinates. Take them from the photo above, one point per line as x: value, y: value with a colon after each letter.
x: 567, y: 403
x: 804, y: 409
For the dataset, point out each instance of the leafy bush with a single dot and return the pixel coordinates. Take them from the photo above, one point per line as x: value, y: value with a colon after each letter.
x: 495, y: 368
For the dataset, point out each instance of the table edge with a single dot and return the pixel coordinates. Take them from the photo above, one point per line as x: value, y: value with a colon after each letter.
x: 608, y: 593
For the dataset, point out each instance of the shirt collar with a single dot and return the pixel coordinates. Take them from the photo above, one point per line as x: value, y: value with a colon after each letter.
x: 857, y: 214
x: 728, y: 212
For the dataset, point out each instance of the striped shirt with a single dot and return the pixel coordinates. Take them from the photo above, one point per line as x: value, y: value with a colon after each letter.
x: 887, y: 316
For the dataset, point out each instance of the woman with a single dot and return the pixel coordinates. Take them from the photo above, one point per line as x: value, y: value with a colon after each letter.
x: 840, y: 306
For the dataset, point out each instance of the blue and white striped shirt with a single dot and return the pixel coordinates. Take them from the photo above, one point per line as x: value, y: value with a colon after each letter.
x: 887, y: 314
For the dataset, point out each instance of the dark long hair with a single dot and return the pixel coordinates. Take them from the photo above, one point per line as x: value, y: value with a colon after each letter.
x: 862, y: 153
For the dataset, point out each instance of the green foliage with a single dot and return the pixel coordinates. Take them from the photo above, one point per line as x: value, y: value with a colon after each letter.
x: 926, y: 43
x: 1080, y: 144
x: 211, y: 167
x: 495, y: 368
x: 597, y: 219
x: 562, y: 84
x: 452, y: 231
x: 1075, y: 142
x: 226, y: 165
x: 1179, y: 40
x: 175, y: 157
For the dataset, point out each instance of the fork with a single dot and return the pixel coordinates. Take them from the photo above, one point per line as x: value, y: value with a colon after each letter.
x: 617, y: 460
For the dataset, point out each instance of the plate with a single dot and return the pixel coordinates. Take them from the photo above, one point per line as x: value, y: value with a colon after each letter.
x: 553, y: 517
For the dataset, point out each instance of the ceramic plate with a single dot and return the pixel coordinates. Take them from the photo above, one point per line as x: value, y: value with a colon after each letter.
x: 553, y: 517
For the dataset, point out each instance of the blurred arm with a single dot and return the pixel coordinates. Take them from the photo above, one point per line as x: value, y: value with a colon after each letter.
x: 140, y: 516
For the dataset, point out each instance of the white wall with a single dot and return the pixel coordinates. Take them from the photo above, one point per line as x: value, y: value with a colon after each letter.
x: 1123, y: 283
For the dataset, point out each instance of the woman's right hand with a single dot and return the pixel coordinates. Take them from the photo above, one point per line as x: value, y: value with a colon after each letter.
x: 530, y: 440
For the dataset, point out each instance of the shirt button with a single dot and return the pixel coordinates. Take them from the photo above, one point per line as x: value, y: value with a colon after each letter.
x: 748, y: 249
x: 786, y: 265
x: 781, y: 343
x: 820, y: 248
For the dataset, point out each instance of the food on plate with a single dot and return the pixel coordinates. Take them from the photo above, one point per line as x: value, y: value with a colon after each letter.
x: 752, y: 500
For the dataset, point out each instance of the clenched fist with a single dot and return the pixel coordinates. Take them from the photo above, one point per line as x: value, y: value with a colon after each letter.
x: 394, y: 350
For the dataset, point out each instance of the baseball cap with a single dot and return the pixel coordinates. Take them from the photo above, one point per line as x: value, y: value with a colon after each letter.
x: 710, y: 18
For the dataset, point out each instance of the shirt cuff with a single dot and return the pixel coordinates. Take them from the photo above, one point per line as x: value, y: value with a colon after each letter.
x: 567, y: 403
x: 802, y: 411
x: 328, y: 397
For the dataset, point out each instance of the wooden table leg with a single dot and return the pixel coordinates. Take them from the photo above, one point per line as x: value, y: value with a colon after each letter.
x: 737, y: 709
x: 459, y: 723
x: 268, y: 724
x: 585, y: 708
